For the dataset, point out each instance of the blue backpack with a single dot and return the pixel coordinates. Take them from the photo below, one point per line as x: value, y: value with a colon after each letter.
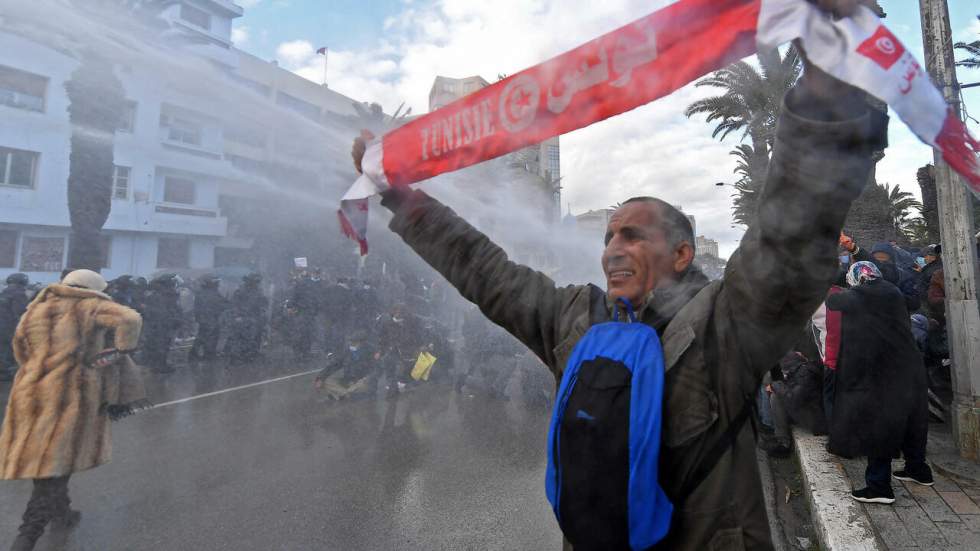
x: 604, y: 439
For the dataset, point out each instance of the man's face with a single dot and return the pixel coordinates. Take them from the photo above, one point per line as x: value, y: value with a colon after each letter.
x: 930, y: 258
x: 882, y: 257
x: 638, y: 257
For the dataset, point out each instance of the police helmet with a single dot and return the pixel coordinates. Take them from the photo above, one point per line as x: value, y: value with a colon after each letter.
x: 18, y: 279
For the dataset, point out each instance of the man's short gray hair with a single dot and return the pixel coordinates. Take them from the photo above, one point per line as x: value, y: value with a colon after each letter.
x: 674, y: 223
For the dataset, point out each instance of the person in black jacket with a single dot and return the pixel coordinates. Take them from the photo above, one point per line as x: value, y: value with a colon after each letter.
x: 161, y: 320
x: 795, y: 399
x: 122, y: 291
x: 209, y: 306
x: 13, y: 303
x: 880, y: 399
x: 249, y: 309
x: 304, y: 307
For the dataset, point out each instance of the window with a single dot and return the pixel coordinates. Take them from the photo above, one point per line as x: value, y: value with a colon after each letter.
x: 128, y: 120
x: 8, y: 249
x: 105, y: 247
x: 304, y: 108
x: 554, y: 161
x: 246, y: 136
x: 183, y: 130
x: 42, y: 254
x: 251, y: 84
x: 17, y: 167
x: 173, y: 252
x: 227, y: 256
x: 195, y: 16
x: 22, y: 90
x: 178, y: 190
x: 120, y: 182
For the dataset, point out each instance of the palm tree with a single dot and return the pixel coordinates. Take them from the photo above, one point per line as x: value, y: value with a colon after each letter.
x: 972, y: 49
x: 900, y: 203
x: 750, y: 104
x: 751, y: 169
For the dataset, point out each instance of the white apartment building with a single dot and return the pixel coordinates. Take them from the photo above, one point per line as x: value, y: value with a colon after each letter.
x: 178, y: 162
x: 706, y: 246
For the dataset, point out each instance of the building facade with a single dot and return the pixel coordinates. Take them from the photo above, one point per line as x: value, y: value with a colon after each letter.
x: 707, y: 246
x: 196, y: 144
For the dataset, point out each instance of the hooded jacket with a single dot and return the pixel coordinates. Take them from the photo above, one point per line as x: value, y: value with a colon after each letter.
x: 898, y: 275
x: 56, y: 421
x: 880, y: 376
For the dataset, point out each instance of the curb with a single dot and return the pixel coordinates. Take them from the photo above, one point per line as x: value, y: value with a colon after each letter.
x: 840, y: 522
x: 945, y: 459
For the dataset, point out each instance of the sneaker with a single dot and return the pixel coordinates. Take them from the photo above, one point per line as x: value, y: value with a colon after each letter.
x: 867, y: 495
x: 923, y: 479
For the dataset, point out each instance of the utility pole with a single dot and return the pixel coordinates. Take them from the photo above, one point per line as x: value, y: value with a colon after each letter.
x: 959, y: 248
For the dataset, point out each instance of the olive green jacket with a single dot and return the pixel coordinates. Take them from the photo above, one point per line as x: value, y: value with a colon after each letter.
x: 718, y: 338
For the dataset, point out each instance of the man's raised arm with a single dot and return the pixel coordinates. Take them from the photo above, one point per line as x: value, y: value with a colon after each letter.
x: 821, y: 161
x: 523, y: 301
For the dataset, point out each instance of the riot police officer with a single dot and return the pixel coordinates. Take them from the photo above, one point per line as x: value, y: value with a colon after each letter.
x: 209, y: 306
x: 13, y: 303
x: 304, y: 306
x: 249, y: 308
x: 161, y: 319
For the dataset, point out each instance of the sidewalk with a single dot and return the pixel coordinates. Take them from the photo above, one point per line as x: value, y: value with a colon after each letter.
x: 944, y: 516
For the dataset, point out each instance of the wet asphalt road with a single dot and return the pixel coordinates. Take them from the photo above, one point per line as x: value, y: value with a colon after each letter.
x: 275, y: 466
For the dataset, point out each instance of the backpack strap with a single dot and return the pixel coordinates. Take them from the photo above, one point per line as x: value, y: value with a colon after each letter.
x: 597, y: 306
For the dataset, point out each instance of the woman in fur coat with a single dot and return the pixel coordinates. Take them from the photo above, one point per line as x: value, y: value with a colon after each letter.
x: 69, y: 387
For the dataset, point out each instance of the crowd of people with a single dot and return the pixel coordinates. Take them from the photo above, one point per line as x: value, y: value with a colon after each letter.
x: 362, y: 336
x: 863, y: 373
x: 366, y: 332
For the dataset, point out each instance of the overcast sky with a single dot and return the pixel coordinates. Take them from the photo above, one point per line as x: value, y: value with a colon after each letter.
x: 389, y: 51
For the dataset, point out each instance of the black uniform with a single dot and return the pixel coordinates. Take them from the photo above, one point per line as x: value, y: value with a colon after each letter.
x: 13, y: 303
x: 337, y: 304
x: 209, y: 305
x: 401, y: 342
x: 122, y: 290
x: 304, y: 306
x: 161, y: 319
x: 249, y: 307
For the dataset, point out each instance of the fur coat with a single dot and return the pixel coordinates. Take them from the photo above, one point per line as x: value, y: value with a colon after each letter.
x: 56, y: 421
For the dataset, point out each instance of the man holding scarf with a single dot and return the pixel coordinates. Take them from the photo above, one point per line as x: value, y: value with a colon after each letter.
x: 718, y: 338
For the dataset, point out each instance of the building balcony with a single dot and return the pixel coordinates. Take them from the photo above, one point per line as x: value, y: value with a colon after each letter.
x: 170, y: 218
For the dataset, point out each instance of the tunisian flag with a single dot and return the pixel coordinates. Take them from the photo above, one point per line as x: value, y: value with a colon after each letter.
x: 646, y: 60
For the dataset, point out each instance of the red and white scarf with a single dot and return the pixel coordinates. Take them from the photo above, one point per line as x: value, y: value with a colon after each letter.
x: 646, y: 60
